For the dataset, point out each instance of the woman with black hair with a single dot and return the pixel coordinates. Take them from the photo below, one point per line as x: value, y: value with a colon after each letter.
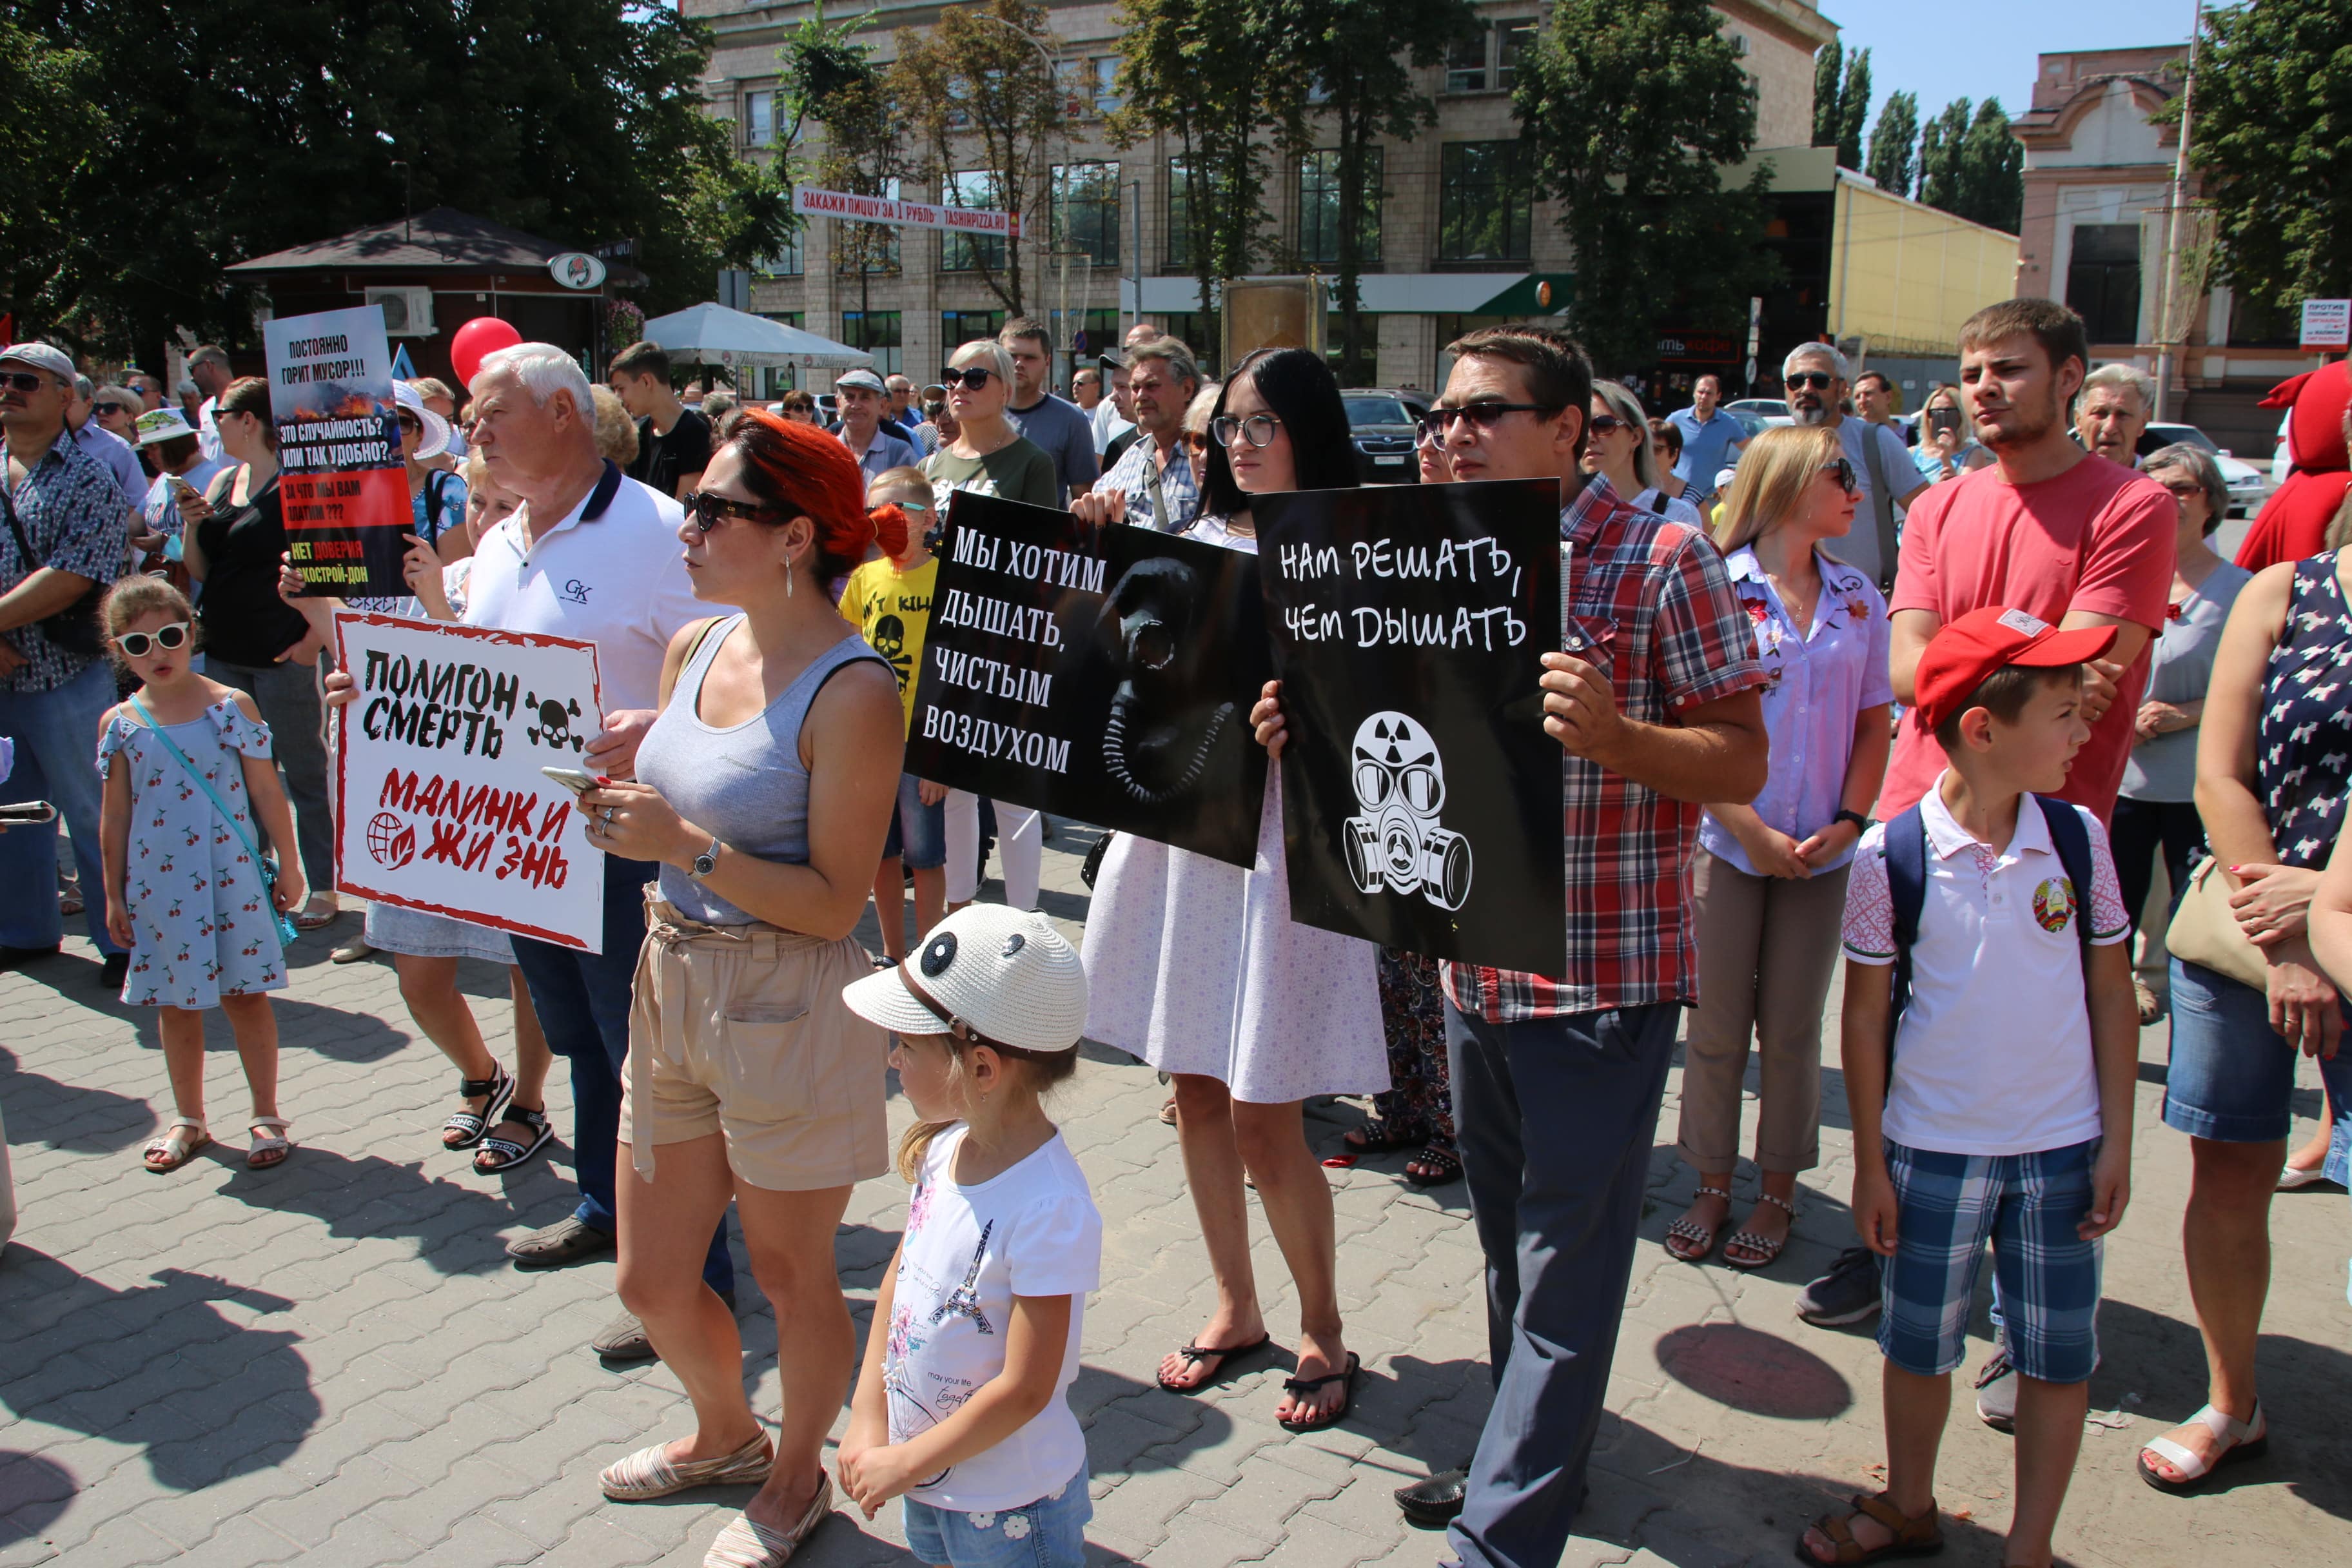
x: 1302, y: 1015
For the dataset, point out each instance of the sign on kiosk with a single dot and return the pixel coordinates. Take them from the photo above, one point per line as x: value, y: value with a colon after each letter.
x: 2327, y: 324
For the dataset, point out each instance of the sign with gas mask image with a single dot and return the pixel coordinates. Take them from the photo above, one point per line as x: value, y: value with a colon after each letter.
x: 1101, y: 674
x: 1421, y: 797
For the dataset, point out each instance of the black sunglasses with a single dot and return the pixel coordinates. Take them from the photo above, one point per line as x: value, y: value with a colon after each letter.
x: 1607, y: 424
x: 1436, y: 422
x: 21, y: 380
x: 1843, y: 469
x: 707, y: 511
x: 136, y: 644
x: 975, y: 378
x: 1813, y: 380
x: 409, y: 421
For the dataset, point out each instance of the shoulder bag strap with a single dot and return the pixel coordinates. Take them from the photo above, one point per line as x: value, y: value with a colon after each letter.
x: 31, y: 561
x: 2073, y: 842
x: 1881, y: 502
x: 205, y: 785
x: 1159, y: 518
x: 1906, y: 886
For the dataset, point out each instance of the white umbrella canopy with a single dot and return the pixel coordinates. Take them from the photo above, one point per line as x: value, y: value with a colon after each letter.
x: 715, y: 334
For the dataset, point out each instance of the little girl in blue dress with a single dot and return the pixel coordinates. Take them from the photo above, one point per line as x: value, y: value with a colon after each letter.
x: 188, y: 772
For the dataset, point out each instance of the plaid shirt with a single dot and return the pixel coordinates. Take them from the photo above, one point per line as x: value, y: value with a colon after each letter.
x: 1132, y: 476
x: 1656, y: 595
x: 73, y: 518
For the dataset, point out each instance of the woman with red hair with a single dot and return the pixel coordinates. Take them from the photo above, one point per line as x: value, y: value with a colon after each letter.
x: 763, y: 789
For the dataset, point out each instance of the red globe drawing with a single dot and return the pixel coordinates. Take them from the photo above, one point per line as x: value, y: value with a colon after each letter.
x: 392, y: 841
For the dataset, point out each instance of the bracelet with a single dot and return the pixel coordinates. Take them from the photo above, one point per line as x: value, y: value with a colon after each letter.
x: 1861, y: 822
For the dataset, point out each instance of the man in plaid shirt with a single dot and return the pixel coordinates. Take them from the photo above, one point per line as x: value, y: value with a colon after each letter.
x: 1557, y: 1078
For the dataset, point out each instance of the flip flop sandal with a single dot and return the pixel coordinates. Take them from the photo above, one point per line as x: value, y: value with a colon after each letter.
x: 1701, y: 1238
x: 270, y: 1147
x: 1749, y: 1241
x: 1379, y: 1138
x: 1297, y: 1387
x: 1447, y: 1166
x: 1919, y: 1537
x: 2244, y: 1440
x: 176, y: 1151
x: 1196, y: 1354
x: 469, y: 1125
x: 509, y: 1153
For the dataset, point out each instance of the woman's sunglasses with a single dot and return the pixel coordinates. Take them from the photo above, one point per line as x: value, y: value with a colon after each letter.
x: 167, y: 638
x: 1843, y: 469
x: 411, y: 421
x: 1194, y: 441
x: 1257, y: 429
x: 707, y: 511
x: 1607, y: 424
x: 974, y: 378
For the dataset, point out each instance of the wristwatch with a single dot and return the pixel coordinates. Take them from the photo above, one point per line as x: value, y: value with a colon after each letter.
x: 705, y: 863
x: 1861, y: 822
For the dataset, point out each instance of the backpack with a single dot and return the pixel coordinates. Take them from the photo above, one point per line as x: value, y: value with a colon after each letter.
x: 1906, y: 885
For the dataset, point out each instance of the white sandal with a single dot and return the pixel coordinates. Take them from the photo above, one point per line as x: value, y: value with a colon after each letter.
x: 2240, y: 1440
x: 164, y: 1145
x: 269, y: 1148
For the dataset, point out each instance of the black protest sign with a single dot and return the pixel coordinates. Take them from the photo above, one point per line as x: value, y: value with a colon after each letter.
x: 1421, y: 797
x: 1103, y: 674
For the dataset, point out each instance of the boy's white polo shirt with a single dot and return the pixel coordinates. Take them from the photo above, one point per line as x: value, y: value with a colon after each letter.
x: 617, y: 579
x: 1993, y: 1054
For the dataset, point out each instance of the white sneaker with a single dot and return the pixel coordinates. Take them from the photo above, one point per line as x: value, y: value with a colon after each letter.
x: 1997, y: 1392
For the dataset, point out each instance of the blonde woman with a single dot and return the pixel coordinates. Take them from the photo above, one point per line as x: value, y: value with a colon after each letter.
x: 1195, y: 437
x: 1769, y: 880
x: 616, y: 431
x: 1947, y: 446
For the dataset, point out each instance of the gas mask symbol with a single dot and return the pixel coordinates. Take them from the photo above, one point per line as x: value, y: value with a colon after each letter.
x: 1396, y: 843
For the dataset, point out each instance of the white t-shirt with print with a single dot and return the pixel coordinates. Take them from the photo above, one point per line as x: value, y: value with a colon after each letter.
x: 1032, y: 1230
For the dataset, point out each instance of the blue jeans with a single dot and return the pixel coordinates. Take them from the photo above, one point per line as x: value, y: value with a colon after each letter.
x: 56, y: 733
x: 1048, y: 1533
x: 582, y: 1002
x: 1555, y: 1119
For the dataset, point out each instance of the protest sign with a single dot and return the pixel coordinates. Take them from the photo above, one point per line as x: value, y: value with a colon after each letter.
x: 1105, y: 674
x: 1421, y: 797
x: 439, y: 801
x: 342, y: 484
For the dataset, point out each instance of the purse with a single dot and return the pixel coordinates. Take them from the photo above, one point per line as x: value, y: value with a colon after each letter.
x: 286, y: 932
x: 73, y: 629
x: 2205, y: 931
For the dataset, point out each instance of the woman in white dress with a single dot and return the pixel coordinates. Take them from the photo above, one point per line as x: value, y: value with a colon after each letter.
x: 1196, y: 966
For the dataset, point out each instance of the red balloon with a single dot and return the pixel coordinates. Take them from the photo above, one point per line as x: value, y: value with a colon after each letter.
x: 482, y: 335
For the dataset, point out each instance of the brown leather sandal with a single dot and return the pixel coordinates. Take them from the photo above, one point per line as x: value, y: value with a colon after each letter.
x: 1921, y: 1536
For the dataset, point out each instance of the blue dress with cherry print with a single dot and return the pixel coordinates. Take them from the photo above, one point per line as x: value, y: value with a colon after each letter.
x: 200, y: 923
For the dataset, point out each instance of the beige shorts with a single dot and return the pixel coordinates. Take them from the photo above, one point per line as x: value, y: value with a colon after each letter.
x: 741, y: 1030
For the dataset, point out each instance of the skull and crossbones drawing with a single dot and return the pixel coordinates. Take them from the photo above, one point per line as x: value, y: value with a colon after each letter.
x: 554, y: 727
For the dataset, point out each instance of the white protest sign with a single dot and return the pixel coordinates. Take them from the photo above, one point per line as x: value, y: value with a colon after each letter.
x: 439, y: 801
x: 850, y: 207
x: 2326, y: 323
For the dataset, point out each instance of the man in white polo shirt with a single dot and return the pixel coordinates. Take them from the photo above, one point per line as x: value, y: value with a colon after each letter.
x: 594, y: 554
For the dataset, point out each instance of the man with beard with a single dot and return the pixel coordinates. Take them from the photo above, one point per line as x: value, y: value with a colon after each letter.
x: 1817, y: 377
x: 2113, y: 411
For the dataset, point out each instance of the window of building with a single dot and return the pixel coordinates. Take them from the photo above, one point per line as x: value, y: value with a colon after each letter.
x: 1085, y: 210
x: 1465, y: 63
x: 958, y: 328
x: 760, y: 118
x: 970, y: 252
x: 875, y: 331
x: 1107, y: 98
x: 1486, y: 210
x: 1071, y: 81
x: 2103, y: 281
x: 1179, y: 214
x: 790, y: 261
x: 1088, y: 333
x: 1320, y: 199
x: 1513, y: 41
x: 867, y: 247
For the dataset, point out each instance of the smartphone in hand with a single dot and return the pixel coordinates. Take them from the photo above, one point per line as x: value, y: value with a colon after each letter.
x: 576, y: 780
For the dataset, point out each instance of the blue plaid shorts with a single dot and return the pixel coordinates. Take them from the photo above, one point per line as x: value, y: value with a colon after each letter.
x: 1946, y: 1208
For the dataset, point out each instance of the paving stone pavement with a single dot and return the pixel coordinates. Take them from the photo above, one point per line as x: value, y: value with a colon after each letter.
x: 331, y: 1362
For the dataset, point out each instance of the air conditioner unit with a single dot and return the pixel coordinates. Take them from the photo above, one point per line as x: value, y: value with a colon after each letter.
x: 407, y: 312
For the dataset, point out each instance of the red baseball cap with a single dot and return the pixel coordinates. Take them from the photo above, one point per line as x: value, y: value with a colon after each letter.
x: 1960, y: 657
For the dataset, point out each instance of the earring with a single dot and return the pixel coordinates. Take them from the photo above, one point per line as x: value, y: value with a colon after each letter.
x: 788, y: 579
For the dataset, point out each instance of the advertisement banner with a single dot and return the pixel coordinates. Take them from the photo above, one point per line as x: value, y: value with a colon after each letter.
x: 342, y: 484
x: 851, y: 207
x: 439, y: 801
x: 1104, y: 674
x: 1421, y: 797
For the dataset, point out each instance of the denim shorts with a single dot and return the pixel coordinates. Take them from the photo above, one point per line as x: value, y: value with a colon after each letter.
x: 1946, y: 1208
x: 1048, y: 1533
x: 2232, y: 1075
x: 918, y: 833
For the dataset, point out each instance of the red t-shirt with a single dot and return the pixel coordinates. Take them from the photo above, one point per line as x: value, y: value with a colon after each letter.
x: 2098, y: 538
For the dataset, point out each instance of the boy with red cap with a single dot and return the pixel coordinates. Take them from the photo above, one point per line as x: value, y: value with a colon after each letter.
x: 1991, y: 1049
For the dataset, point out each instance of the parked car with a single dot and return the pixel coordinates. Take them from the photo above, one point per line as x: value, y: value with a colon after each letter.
x: 1757, y: 413
x: 2250, y: 487
x: 1384, y: 423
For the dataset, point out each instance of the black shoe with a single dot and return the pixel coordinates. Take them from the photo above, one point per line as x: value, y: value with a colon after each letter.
x: 113, y: 973
x: 567, y: 1241
x: 1847, y: 1294
x: 1434, y: 1503
x: 10, y: 957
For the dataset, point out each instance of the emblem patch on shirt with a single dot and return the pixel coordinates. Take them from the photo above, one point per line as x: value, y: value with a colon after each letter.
x: 2053, y: 903
x: 576, y: 591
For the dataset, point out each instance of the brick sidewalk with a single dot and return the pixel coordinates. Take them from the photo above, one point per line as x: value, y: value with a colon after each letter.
x: 333, y: 1362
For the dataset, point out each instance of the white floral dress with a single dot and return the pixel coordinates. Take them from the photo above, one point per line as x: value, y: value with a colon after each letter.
x: 201, y: 927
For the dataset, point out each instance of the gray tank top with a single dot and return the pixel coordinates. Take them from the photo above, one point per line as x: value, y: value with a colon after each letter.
x: 745, y: 783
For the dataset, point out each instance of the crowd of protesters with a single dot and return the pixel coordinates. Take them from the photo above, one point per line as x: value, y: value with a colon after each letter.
x: 1821, y: 673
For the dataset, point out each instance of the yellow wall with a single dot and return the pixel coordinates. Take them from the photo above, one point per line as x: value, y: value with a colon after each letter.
x: 1908, y: 275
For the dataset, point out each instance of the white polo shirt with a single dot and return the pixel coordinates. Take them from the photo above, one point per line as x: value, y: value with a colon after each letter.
x: 1993, y: 1054
x: 617, y: 579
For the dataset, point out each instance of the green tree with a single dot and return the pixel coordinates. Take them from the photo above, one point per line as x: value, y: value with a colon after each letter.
x: 45, y: 142
x: 835, y: 83
x: 1992, y: 167
x: 1894, y: 143
x: 1854, y: 108
x: 1364, y: 52
x: 1940, y: 156
x: 977, y: 88
x: 1827, y: 63
x: 2271, y: 138
x: 1634, y: 108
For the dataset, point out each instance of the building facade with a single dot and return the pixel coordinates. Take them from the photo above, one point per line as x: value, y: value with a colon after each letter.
x: 2098, y: 194
x: 1458, y: 235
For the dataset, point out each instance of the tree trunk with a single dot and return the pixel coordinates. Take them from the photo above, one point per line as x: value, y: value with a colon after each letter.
x: 1355, y: 130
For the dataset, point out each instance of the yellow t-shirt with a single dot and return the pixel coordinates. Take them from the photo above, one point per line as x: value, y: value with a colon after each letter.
x: 893, y: 608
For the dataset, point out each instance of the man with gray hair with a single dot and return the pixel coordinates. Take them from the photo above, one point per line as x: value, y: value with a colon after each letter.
x: 112, y: 452
x: 2112, y: 413
x: 1151, y: 486
x: 591, y: 555
x: 1817, y: 376
x: 208, y: 367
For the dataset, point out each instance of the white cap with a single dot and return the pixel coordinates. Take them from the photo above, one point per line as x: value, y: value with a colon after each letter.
x: 1005, y: 976
x: 41, y: 356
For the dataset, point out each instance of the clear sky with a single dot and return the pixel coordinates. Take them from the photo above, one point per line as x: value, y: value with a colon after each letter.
x: 1987, y: 48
